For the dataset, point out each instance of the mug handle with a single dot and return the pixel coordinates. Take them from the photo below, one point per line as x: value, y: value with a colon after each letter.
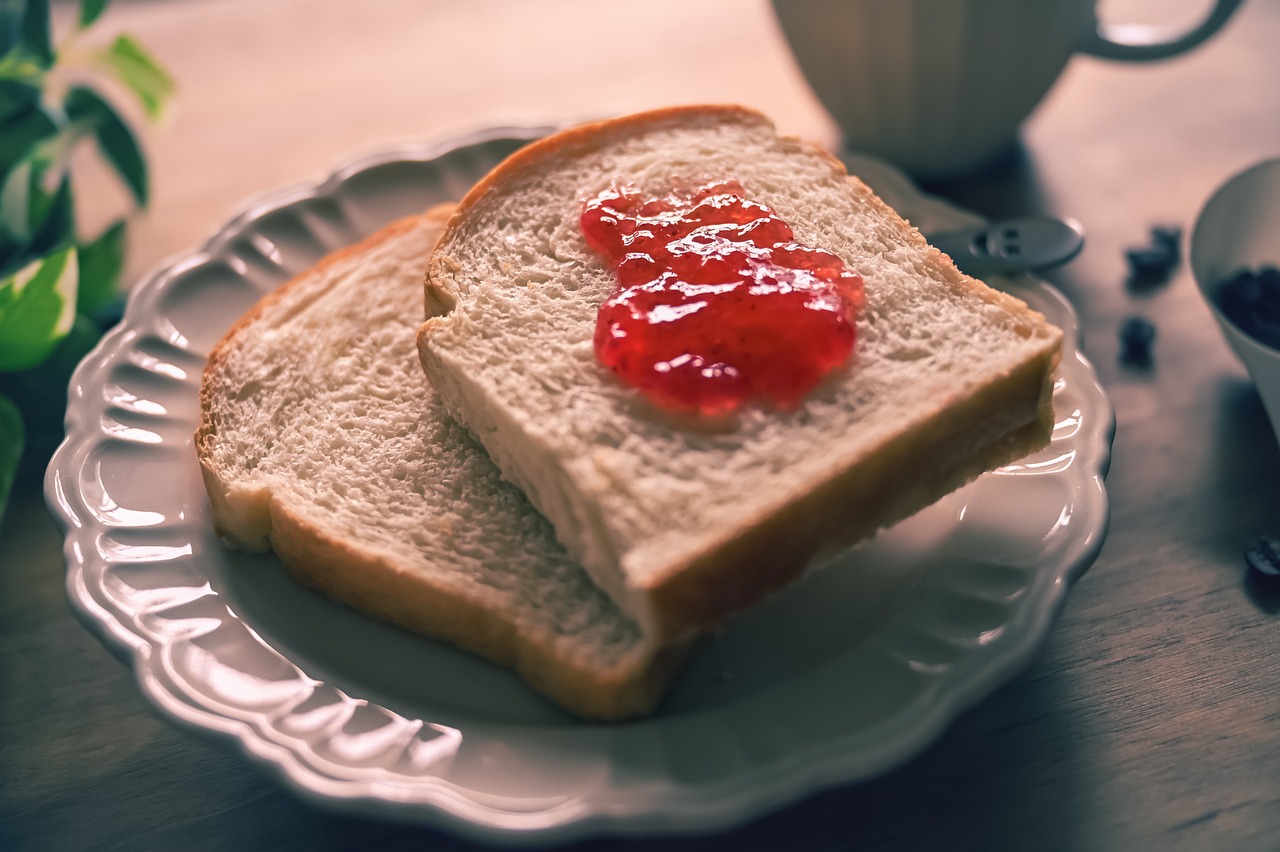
x: 1140, y: 42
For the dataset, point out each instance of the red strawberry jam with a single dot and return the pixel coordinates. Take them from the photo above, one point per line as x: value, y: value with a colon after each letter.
x: 717, y: 305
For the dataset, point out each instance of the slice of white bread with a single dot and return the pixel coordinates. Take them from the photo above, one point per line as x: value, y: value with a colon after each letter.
x: 685, y: 525
x: 320, y: 438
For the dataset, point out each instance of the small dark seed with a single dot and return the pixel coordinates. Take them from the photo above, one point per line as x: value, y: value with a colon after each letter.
x: 1263, y: 556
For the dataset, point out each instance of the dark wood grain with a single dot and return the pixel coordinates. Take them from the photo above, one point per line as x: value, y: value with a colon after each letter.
x: 1152, y: 718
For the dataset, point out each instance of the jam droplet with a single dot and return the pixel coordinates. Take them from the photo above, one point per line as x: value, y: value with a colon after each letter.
x: 717, y: 304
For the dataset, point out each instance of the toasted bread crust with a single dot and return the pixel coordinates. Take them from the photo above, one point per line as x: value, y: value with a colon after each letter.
x: 376, y: 586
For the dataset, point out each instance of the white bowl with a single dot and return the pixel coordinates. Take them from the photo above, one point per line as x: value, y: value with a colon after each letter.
x: 1239, y: 228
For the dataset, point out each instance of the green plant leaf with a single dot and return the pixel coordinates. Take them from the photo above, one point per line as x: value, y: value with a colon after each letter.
x: 116, y: 140
x: 33, y: 221
x: 138, y: 70
x: 15, y: 207
x: 22, y: 132
x: 17, y: 66
x: 17, y: 97
x: 12, y: 438
x: 41, y: 392
x: 52, y: 219
x: 11, y: 26
x: 90, y: 10
x: 101, y: 263
x: 36, y: 34
x: 37, y: 309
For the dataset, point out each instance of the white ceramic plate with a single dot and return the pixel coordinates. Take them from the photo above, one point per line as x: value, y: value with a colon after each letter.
x: 840, y: 678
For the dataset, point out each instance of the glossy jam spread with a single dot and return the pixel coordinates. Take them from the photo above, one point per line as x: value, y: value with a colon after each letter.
x: 717, y: 305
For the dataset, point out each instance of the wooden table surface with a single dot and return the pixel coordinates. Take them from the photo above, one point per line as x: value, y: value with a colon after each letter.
x: 1152, y: 718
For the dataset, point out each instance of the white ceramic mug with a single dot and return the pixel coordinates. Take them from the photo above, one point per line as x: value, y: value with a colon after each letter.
x: 940, y: 87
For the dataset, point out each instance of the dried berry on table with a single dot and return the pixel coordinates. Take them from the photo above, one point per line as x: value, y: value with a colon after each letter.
x: 1148, y: 263
x: 1263, y: 556
x: 1167, y: 237
x: 1250, y: 298
x: 1155, y: 262
x: 1136, y: 338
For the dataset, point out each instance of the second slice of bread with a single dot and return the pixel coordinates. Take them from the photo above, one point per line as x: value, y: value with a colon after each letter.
x: 680, y: 523
x: 321, y: 439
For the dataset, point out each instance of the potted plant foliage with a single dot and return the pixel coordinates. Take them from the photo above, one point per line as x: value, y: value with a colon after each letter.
x: 58, y: 290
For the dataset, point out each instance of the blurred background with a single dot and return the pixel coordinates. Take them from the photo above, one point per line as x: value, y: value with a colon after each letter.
x: 312, y: 82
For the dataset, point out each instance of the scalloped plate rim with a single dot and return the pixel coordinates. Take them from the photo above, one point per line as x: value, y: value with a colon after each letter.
x: 708, y: 807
